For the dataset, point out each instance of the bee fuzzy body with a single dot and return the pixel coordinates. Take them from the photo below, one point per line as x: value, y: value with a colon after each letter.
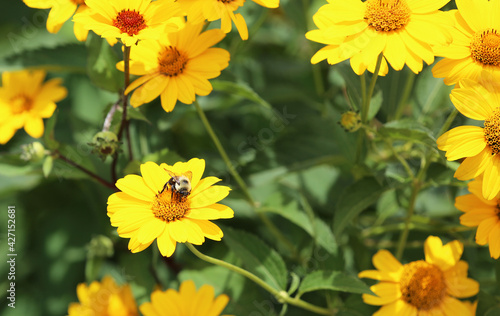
x: 180, y: 185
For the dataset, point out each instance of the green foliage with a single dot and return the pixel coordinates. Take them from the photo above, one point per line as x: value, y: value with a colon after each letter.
x: 323, y: 201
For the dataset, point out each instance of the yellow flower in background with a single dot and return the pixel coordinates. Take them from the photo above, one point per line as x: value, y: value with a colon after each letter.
x: 199, y: 10
x: 186, y: 302
x: 129, y: 21
x: 177, y: 67
x: 479, y: 146
x: 147, y: 208
x: 483, y: 214
x: 61, y: 11
x: 475, y: 50
x: 423, y: 287
x: 25, y: 100
x: 403, y: 30
x: 103, y: 298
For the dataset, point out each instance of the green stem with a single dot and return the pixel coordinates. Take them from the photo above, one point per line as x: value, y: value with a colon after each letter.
x: 269, y: 224
x: 406, y: 94
x: 224, y: 155
x: 371, y: 88
x: 447, y: 123
x: 124, y: 122
x: 102, y: 181
x: 417, y: 185
x: 281, y: 296
x: 366, y: 96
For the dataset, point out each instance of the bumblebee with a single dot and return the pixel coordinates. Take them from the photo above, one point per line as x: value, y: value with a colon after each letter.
x: 180, y: 185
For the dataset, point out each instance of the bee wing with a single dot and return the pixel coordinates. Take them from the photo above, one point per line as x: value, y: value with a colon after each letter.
x: 170, y: 173
x: 188, y: 174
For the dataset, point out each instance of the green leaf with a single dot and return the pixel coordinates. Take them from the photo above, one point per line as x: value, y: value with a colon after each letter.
x: 258, y: 257
x: 324, y: 236
x: 136, y: 114
x: 101, y: 65
x: 315, y: 227
x: 48, y: 135
x: 356, y: 198
x: 71, y: 57
x: 408, y: 130
x: 239, y: 89
x: 375, y: 104
x: 333, y: 280
x: 48, y: 163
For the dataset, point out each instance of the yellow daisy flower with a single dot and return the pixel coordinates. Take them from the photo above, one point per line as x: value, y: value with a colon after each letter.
x: 102, y: 299
x: 423, y: 287
x: 403, y: 30
x: 150, y: 207
x: 483, y: 214
x: 479, y: 146
x: 61, y: 11
x: 475, y: 49
x: 129, y: 21
x: 177, y: 67
x: 186, y: 302
x: 212, y: 10
x: 25, y: 100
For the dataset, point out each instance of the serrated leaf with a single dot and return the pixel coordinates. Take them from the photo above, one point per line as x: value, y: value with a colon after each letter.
x: 101, y: 65
x: 357, y: 197
x: 408, y: 130
x: 333, y: 280
x: 257, y: 257
x: 239, y: 89
x: 48, y: 163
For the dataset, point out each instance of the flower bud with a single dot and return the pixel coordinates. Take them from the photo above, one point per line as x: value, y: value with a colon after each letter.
x: 33, y: 152
x: 350, y: 121
x: 105, y: 144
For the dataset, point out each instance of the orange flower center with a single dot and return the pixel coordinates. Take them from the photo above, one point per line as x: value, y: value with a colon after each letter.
x: 387, y: 15
x: 20, y: 103
x: 422, y: 285
x: 172, y: 62
x: 129, y: 22
x: 485, y: 47
x: 169, y: 208
x: 492, y: 131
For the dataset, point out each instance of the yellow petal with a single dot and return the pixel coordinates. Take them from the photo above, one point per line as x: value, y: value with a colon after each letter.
x: 445, y: 256
x: 209, y: 196
x: 387, y: 292
x: 134, y: 185
x: 166, y: 244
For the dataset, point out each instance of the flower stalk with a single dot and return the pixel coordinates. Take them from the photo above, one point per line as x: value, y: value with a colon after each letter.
x: 281, y: 296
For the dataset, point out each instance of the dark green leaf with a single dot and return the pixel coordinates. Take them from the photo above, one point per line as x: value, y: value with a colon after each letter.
x: 101, y: 65
x: 333, y: 280
x: 357, y: 197
x: 257, y: 257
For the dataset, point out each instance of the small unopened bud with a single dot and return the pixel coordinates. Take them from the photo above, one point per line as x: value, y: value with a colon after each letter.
x: 33, y: 152
x: 100, y: 246
x: 105, y: 144
x: 350, y: 121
